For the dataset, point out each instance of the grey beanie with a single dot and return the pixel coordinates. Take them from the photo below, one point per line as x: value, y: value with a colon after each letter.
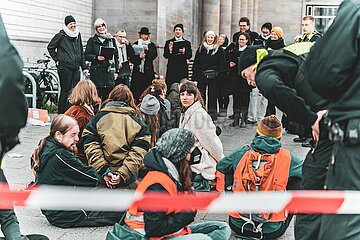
x: 150, y: 105
x: 175, y: 144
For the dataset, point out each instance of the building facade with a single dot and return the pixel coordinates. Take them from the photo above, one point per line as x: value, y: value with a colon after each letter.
x: 31, y: 24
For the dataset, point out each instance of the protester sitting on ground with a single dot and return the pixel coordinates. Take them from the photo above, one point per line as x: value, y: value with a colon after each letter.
x: 85, y: 102
x: 116, y: 139
x: 170, y: 172
x: 196, y: 119
x: 158, y: 89
x: 149, y: 108
x: 174, y: 99
x: 278, y: 170
x: 54, y: 163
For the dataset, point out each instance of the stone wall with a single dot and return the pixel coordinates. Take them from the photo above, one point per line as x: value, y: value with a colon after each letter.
x: 31, y: 24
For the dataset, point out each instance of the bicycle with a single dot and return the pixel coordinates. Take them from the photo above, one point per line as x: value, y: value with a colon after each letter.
x: 47, y: 83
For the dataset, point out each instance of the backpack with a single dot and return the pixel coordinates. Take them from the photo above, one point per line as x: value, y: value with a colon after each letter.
x: 262, y: 172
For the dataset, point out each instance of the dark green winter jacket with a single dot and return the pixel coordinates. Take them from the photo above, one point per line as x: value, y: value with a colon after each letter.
x: 261, y: 144
x: 59, y: 166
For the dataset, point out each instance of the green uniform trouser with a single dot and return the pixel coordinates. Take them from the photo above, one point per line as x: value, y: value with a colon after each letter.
x: 343, y: 175
x: 314, y: 170
x: 8, y: 221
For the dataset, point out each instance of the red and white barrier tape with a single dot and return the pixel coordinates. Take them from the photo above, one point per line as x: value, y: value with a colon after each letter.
x: 65, y: 198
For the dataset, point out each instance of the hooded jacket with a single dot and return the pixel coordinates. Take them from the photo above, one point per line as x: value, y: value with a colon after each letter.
x: 159, y: 223
x: 59, y: 166
x: 261, y: 144
x: 116, y: 138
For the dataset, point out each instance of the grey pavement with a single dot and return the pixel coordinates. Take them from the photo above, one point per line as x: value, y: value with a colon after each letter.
x: 18, y: 173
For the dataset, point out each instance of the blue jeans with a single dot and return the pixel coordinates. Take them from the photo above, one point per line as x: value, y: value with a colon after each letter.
x: 214, y: 230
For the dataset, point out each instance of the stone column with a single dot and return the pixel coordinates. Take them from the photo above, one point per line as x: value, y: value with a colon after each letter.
x: 225, y: 17
x: 160, y: 63
x: 256, y: 25
x: 250, y: 11
x: 235, y: 17
x: 211, y: 15
x: 244, y: 8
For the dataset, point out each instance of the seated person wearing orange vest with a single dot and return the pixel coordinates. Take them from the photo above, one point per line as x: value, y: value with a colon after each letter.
x: 276, y: 170
x: 169, y: 171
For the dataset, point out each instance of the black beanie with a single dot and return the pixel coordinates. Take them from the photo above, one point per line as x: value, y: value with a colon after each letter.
x: 179, y: 25
x: 69, y: 19
x: 248, y: 57
x: 267, y: 25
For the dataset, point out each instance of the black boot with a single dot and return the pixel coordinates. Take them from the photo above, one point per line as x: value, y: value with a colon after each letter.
x: 235, y: 123
x: 243, y: 119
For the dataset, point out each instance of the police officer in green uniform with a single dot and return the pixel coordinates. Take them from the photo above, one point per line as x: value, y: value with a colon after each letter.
x: 13, y: 109
x: 281, y: 77
x: 334, y: 73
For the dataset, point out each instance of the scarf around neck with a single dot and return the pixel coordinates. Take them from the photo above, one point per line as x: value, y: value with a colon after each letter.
x: 142, y: 64
x: 209, y: 47
x: 104, y: 36
x: 70, y: 33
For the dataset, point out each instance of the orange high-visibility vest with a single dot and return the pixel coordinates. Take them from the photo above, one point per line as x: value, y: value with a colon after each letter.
x: 272, y: 176
x: 135, y: 219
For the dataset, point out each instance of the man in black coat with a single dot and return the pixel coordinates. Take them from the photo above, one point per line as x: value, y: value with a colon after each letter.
x: 66, y: 50
x: 334, y: 73
x: 177, y: 50
x: 13, y: 107
x: 244, y: 25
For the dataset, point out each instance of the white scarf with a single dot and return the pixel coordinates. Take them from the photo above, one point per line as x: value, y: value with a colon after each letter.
x: 172, y: 169
x: 242, y: 48
x: 122, y: 52
x: 265, y: 37
x: 142, y: 64
x: 178, y: 38
x: 70, y: 33
x: 211, y: 47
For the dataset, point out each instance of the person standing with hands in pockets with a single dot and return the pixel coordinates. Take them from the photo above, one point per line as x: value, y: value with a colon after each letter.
x: 66, y: 50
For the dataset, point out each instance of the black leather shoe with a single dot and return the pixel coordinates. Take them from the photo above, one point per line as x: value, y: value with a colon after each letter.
x: 306, y: 143
x: 231, y: 116
x: 299, y: 139
x: 250, y: 122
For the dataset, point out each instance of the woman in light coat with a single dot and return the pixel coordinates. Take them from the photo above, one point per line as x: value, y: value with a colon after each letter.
x: 197, y: 120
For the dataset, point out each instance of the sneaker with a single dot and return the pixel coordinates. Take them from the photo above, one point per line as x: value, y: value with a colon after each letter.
x: 250, y: 122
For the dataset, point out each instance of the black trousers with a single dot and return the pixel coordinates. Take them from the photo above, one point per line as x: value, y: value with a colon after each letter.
x: 211, y: 101
x: 103, y: 92
x: 343, y: 175
x: 241, y: 102
x: 314, y: 170
x: 8, y: 221
x: 223, y: 93
x: 68, y: 80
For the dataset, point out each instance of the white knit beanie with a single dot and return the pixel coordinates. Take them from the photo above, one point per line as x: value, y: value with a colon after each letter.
x: 98, y: 22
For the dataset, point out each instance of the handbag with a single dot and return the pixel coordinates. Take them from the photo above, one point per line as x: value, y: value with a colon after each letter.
x: 210, y: 73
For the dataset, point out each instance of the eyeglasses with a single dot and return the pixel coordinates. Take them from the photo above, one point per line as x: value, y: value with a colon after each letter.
x: 242, y: 39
